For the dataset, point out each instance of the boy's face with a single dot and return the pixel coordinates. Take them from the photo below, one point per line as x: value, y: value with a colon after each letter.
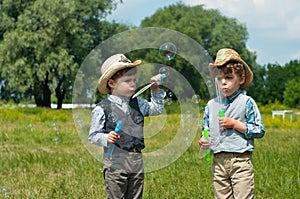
x: 230, y: 82
x: 123, y: 86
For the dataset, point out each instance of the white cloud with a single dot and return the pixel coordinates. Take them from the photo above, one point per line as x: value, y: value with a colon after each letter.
x: 293, y: 27
x: 295, y: 55
x: 273, y: 25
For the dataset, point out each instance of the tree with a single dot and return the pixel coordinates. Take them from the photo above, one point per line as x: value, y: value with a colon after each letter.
x: 44, y: 42
x: 209, y: 28
x: 292, y: 94
x: 275, y: 82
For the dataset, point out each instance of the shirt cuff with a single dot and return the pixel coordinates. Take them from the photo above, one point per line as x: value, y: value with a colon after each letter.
x: 248, y: 134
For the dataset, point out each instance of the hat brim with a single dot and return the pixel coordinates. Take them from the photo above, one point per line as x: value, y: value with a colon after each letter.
x: 102, y: 83
x: 248, y: 72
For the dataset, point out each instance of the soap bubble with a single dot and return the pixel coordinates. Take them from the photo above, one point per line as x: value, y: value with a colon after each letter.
x: 196, y: 99
x: 167, y: 51
x: 186, y: 114
x: 170, y: 94
x: 112, y: 117
x: 164, y: 70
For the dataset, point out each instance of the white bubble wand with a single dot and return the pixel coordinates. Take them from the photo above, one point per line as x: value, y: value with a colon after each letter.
x: 163, y: 76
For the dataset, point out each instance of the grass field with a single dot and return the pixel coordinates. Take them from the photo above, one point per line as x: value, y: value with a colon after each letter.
x: 42, y: 156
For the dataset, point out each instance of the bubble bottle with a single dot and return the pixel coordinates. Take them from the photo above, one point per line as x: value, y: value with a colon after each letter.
x: 221, y: 116
x: 207, y: 151
x: 111, y: 146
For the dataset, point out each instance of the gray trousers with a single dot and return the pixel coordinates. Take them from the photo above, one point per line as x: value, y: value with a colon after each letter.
x: 124, y: 176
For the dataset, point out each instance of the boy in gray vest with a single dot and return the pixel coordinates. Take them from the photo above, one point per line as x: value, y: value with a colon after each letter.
x: 232, y: 136
x: 123, y: 167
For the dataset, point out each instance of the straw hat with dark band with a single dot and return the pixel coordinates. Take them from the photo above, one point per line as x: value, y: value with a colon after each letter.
x: 226, y: 55
x: 112, y: 65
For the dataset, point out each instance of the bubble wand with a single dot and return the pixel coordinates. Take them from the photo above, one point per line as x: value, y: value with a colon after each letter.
x: 148, y: 86
x: 219, y: 99
x: 111, y: 146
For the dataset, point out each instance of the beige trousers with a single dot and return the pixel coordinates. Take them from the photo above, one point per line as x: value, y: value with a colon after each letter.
x: 233, y: 175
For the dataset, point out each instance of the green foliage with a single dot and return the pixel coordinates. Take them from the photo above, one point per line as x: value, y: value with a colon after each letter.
x: 291, y: 93
x: 43, y: 43
x: 43, y: 157
x: 268, y: 108
x: 211, y: 30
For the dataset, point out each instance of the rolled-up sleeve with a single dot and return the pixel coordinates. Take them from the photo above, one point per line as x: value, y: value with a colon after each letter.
x: 254, y: 125
x: 96, y: 133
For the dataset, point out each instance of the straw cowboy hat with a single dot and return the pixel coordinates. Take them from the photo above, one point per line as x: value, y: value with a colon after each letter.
x: 226, y: 55
x: 112, y: 65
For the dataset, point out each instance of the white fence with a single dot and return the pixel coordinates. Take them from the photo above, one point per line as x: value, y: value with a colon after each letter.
x: 53, y: 106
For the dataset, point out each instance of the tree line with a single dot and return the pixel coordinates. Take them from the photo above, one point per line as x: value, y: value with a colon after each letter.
x: 43, y: 43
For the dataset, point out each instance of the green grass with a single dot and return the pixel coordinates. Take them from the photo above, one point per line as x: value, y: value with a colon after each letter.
x: 42, y: 156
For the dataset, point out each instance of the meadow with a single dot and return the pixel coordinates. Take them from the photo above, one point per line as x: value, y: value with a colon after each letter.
x: 42, y: 156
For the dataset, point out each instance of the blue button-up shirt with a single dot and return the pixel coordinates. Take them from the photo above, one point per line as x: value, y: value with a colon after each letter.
x: 154, y: 107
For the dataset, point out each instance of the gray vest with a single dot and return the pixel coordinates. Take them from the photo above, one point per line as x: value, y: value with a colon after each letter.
x: 231, y: 140
x: 131, y: 133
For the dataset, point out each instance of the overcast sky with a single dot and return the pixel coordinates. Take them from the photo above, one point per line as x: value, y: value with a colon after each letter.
x: 273, y: 25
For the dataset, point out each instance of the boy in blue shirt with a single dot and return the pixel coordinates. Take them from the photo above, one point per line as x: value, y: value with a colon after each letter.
x: 232, y: 137
x: 124, y: 170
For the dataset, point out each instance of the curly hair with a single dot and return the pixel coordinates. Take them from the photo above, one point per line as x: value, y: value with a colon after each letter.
x: 228, y: 68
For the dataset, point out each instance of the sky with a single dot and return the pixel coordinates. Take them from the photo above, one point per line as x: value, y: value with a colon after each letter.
x: 273, y: 25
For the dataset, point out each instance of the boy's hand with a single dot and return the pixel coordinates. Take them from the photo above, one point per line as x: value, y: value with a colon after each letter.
x: 205, y: 144
x: 113, y: 137
x: 226, y: 123
x: 157, y: 79
x: 229, y: 123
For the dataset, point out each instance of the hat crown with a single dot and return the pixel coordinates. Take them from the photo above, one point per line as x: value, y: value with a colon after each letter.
x: 226, y: 54
x: 115, y: 60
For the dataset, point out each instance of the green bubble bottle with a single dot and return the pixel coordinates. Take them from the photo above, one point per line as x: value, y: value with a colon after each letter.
x: 222, y: 115
x: 207, y: 152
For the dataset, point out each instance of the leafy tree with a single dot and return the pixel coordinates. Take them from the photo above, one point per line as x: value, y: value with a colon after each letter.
x: 210, y: 29
x: 44, y: 42
x: 275, y: 82
x: 292, y: 94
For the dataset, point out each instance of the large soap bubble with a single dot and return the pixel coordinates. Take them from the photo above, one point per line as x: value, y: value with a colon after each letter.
x: 187, y: 119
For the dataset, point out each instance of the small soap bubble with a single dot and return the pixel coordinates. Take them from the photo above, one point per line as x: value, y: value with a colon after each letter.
x: 196, y: 99
x: 55, y: 141
x: 168, y: 101
x: 164, y: 70
x: 167, y: 51
x: 112, y: 117
x: 209, y: 83
x: 170, y: 94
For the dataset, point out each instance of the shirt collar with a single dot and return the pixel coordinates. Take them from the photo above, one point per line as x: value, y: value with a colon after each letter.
x: 118, y: 100
x: 230, y: 99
